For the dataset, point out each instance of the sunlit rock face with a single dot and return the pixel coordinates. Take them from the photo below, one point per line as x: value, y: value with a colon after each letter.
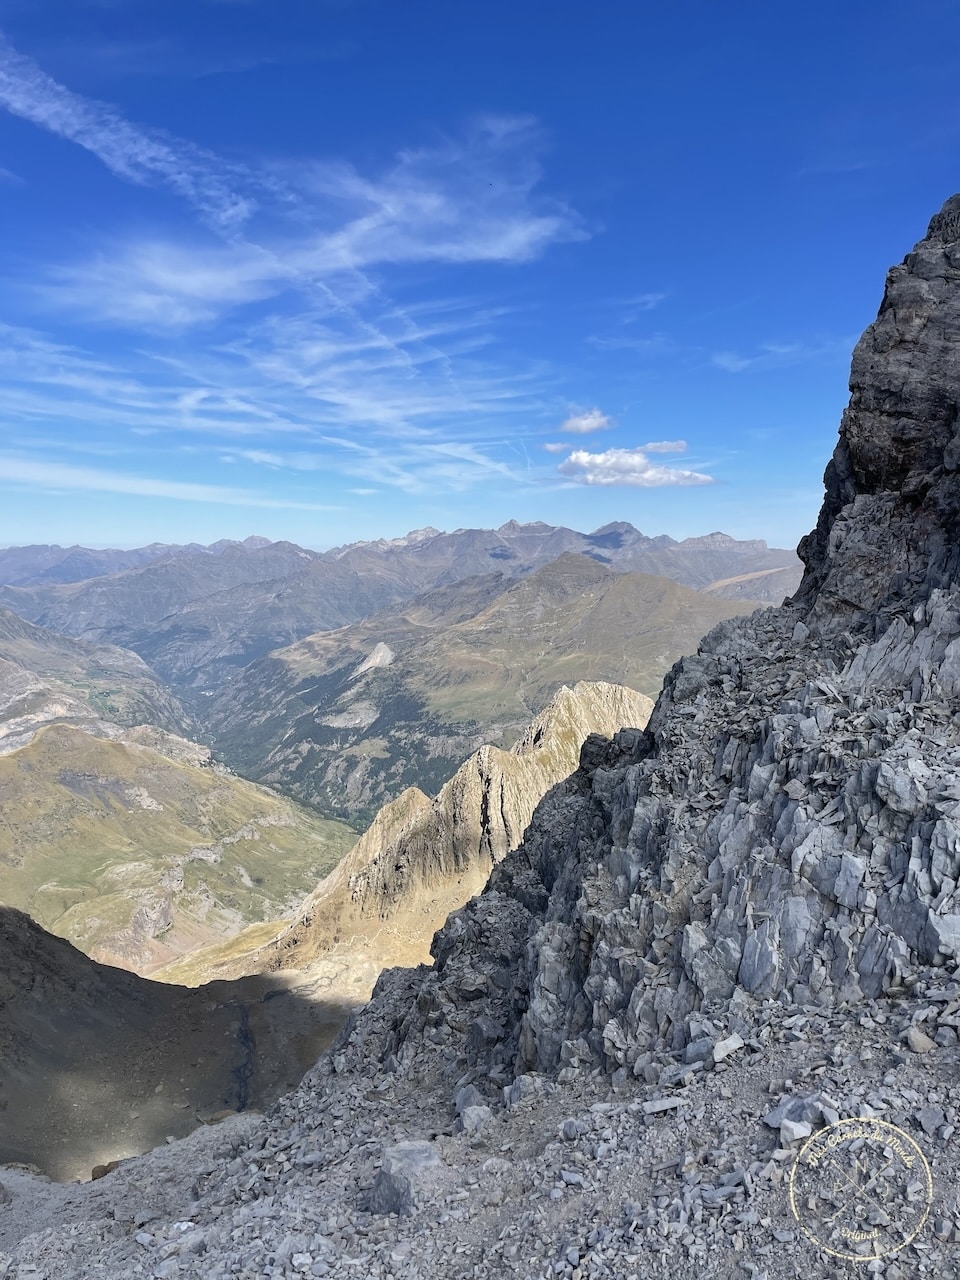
x: 788, y: 826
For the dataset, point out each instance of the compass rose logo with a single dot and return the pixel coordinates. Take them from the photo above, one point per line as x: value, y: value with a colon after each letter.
x: 861, y: 1189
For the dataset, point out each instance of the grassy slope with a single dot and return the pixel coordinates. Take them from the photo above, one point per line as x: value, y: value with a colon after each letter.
x: 136, y: 858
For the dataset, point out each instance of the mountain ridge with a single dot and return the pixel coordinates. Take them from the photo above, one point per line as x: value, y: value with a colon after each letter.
x: 196, y: 615
x: 421, y: 858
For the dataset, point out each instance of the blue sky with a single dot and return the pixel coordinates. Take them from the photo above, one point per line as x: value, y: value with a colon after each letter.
x: 336, y: 269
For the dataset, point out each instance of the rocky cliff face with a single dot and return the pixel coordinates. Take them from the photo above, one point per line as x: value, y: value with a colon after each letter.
x: 788, y: 828
x: 887, y: 533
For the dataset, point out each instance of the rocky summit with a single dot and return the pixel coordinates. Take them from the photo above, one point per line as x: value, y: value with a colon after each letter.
x: 720, y: 937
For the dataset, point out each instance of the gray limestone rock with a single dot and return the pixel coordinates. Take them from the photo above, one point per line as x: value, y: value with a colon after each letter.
x: 407, y: 1176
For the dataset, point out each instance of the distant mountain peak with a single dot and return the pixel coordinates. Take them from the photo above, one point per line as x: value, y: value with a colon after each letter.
x: 416, y: 535
x: 515, y: 526
x: 615, y: 526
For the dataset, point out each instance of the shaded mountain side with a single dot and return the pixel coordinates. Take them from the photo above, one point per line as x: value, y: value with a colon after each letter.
x: 137, y: 857
x: 46, y: 677
x: 420, y: 859
x: 787, y: 830
x: 97, y: 1064
x: 346, y: 720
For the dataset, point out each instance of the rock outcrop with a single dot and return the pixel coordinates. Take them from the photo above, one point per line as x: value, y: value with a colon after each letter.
x: 788, y: 827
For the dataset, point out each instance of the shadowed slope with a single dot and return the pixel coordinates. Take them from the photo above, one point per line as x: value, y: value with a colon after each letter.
x: 97, y: 1064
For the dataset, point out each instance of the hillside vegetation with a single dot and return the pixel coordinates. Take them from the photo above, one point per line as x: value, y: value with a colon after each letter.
x: 137, y: 858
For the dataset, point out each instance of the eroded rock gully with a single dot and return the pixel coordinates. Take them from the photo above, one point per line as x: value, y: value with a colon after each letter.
x: 720, y: 933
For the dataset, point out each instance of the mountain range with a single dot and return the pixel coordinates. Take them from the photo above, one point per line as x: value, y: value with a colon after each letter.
x: 347, y: 719
x: 31, y: 566
x: 198, y: 615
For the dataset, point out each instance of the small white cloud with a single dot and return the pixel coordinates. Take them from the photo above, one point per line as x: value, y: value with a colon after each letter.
x: 581, y: 424
x: 362, y: 493
x: 665, y: 446
x: 556, y: 446
x: 630, y: 467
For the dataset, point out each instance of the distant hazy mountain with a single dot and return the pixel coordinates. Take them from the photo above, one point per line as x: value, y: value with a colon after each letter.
x: 47, y: 678
x: 345, y: 720
x: 517, y: 548
x: 26, y: 566
x: 196, y: 615
x: 137, y: 855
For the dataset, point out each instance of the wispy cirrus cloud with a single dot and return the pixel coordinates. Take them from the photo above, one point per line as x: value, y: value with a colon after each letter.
x: 655, y: 344
x: 59, y: 475
x: 639, y: 305
x: 160, y: 287
x: 145, y: 157
x: 463, y: 201
x: 778, y: 355
x: 276, y: 317
x: 630, y: 467
x: 414, y: 467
